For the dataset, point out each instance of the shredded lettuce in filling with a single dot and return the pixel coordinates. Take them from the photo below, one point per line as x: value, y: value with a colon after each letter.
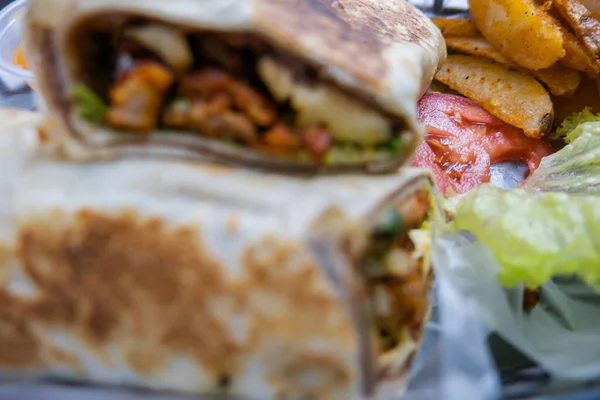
x: 89, y: 105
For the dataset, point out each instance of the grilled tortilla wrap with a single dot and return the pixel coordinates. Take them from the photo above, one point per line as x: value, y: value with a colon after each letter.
x: 286, y: 85
x: 197, y: 278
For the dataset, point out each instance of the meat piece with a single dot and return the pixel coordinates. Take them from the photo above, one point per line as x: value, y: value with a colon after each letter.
x: 178, y: 114
x: 191, y: 115
x: 414, y: 209
x: 212, y: 118
x: 258, y: 107
x: 281, y: 137
x: 136, y: 99
x: 401, y: 303
x: 219, y: 103
x: 209, y: 81
x: 206, y: 82
x: 231, y: 125
x: 318, y: 141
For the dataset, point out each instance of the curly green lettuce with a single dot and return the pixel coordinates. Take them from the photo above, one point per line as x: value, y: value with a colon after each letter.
x: 535, y: 237
x: 584, y: 122
x: 575, y: 169
x: 551, y: 225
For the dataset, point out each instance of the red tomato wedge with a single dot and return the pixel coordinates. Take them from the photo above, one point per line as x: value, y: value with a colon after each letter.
x: 463, y: 141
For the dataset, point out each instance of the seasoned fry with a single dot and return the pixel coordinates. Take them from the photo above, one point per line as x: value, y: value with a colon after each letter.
x: 456, y: 27
x: 585, y: 96
x: 477, y: 46
x: 513, y: 96
x: 559, y: 80
x: 593, y: 6
x: 521, y: 30
x: 577, y: 57
x: 586, y: 27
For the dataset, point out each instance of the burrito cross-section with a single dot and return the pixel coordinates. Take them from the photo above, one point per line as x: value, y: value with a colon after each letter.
x: 295, y: 84
x: 197, y: 278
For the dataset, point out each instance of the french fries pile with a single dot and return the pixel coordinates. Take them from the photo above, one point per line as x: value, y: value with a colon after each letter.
x: 528, y: 62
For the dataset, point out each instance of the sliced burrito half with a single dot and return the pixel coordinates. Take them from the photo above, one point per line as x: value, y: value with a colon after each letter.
x: 299, y: 85
x: 197, y: 278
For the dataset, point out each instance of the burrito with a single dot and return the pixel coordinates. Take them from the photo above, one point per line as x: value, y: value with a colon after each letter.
x: 285, y: 85
x: 197, y: 278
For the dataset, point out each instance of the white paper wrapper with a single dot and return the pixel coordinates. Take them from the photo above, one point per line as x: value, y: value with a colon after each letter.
x: 562, y: 333
x: 455, y: 362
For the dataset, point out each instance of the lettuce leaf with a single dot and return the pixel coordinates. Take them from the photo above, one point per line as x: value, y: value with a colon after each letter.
x: 89, y: 105
x: 535, y: 237
x: 575, y: 169
x: 573, y: 127
x: 551, y: 225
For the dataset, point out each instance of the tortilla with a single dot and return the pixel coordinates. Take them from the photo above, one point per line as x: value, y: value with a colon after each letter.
x: 197, y: 278
x: 290, y: 85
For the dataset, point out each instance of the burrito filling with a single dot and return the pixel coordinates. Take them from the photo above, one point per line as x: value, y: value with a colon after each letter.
x: 231, y: 87
x: 396, y: 270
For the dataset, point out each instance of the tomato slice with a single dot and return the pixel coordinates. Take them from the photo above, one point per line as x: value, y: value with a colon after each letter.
x: 463, y: 140
x: 425, y: 157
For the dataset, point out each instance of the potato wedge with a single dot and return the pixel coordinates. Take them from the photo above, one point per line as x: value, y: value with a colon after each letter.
x: 593, y: 6
x: 521, y: 30
x: 559, y: 80
x: 512, y: 96
x: 476, y: 46
x: 577, y: 57
x: 452, y: 27
x: 585, y: 96
x: 585, y: 26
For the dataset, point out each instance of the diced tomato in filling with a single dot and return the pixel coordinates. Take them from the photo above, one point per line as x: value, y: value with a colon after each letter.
x: 463, y: 141
x: 281, y: 136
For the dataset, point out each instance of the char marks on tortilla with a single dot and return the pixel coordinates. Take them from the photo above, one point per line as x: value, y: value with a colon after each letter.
x: 89, y: 283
